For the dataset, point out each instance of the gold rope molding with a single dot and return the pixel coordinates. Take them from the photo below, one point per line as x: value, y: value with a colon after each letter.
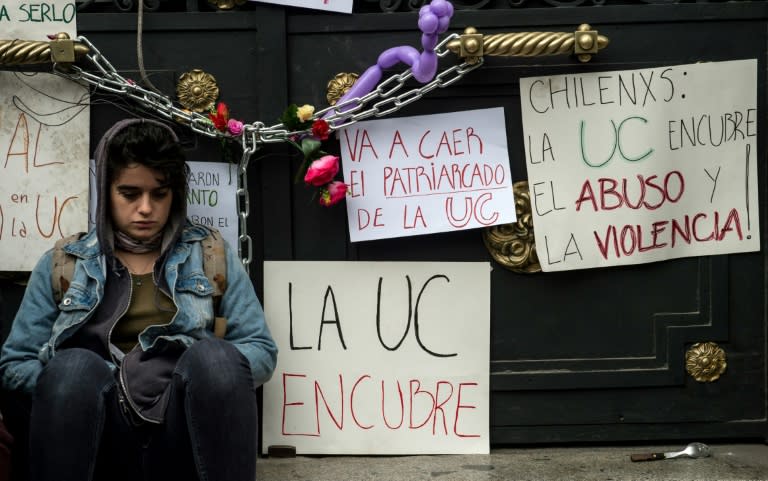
x: 28, y: 52
x: 472, y: 46
x: 583, y: 43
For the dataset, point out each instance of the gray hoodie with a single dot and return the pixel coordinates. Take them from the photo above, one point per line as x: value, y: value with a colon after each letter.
x: 144, y: 376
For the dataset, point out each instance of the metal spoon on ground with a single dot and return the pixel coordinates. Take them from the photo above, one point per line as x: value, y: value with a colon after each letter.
x: 693, y: 450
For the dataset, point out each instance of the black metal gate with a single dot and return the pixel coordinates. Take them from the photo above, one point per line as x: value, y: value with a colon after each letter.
x: 564, y: 367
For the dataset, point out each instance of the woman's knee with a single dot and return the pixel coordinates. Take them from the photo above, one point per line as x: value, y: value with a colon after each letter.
x: 214, y: 364
x: 74, y: 372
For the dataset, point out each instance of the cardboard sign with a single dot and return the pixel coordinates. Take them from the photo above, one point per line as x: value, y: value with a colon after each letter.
x: 343, y: 6
x: 644, y: 165
x: 426, y: 174
x: 378, y: 358
x: 212, y: 197
x: 44, y: 135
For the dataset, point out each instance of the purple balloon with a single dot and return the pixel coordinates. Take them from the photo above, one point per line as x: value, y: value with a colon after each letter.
x: 428, y: 23
x: 394, y: 55
x: 442, y: 8
x: 433, y: 19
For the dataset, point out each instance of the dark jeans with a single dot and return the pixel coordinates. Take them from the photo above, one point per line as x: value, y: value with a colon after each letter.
x: 6, y: 444
x: 78, y: 431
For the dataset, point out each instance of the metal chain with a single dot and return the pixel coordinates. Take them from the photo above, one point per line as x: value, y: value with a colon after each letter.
x: 338, y: 116
x: 244, y: 206
x: 350, y: 111
x: 109, y: 80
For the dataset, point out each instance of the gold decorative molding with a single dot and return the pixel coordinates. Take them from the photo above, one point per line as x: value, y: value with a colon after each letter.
x: 587, y: 42
x: 197, y: 90
x: 513, y: 245
x: 583, y: 43
x: 60, y: 50
x: 226, y: 4
x: 705, y: 361
x: 339, y: 85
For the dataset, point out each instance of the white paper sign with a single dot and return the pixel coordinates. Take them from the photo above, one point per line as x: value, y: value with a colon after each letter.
x: 212, y: 197
x: 426, y: 174
x: 639, y: 166
x: 344, y: 6
x: 378, y: 358
x: 44, y: 135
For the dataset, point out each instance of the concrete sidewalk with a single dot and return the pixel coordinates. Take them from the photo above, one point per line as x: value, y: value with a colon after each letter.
x: 728, y: 462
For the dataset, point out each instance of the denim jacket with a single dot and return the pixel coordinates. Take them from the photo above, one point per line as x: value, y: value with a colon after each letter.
x: 41, y: 326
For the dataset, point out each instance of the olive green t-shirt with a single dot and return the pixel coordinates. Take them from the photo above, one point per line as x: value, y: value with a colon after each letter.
x: 149, y: 306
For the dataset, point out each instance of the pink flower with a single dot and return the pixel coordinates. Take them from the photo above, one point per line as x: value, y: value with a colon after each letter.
x: 235, y: 127
x: 333, y: 193
x: 322, y: 171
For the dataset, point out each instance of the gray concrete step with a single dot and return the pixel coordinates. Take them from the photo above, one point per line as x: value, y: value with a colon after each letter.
x: 729, y: 462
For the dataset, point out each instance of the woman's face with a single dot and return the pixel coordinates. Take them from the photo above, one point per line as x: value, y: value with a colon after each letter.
x: 141, y: 201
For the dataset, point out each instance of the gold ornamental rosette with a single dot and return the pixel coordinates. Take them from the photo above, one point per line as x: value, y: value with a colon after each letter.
x: 705, y: 361
x: 226, y: 4
x: 339, y: 85
x: 197, y: 90
x: 513, y: 245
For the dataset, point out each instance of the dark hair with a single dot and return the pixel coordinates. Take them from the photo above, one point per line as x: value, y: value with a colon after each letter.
x: 153, y: 146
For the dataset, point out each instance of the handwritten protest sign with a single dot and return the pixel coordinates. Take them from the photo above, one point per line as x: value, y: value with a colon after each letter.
x: 44, y: 135
x: 212, y: 197
x: 49, y: 17
x: 639, y: 166
x: 343, y: 6
x: 378, y: 358
x: 426, y: 174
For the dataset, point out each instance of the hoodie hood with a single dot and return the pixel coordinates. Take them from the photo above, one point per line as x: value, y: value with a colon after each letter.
x: 104, y: 229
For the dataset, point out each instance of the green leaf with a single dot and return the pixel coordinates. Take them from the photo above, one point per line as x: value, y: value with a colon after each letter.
x: 309, y: 147
x: 290, y: 117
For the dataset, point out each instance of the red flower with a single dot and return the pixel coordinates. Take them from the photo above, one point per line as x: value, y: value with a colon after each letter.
x: 320, y: 129
x: 220, y: 117
x: 333, y: 193
x: 322, y: 171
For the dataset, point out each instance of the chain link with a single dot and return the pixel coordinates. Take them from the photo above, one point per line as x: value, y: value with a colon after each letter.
x: 244, y: 241
x: 338, y: 116
x: 111, y: 81
x: 350, y: 111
